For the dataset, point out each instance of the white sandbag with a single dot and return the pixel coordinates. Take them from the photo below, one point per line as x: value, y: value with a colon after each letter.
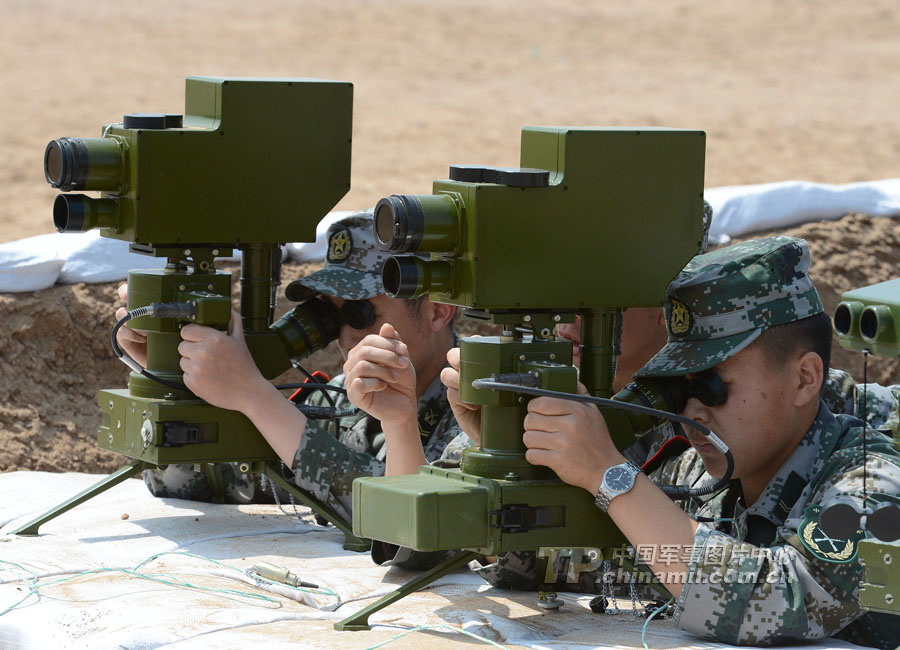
x: 29, y: 264
x: 739, y: 209
x: 92, y: 258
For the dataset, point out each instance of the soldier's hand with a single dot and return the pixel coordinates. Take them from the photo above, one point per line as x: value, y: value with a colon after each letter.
x: 133, y: 342
x: 467, y: 415
x: 218, y: 367
x: 380, y: 379
x: 571, y: 438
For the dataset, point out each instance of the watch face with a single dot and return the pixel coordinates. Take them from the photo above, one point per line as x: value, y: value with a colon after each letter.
x: 618, y: 478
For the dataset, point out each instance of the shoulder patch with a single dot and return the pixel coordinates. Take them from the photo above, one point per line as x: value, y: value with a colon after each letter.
x: 339, y: 245
x: 821, y: 545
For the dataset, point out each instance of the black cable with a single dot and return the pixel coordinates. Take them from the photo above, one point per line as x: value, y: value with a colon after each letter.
x: 676, y: 492
x: 158, y: 310
x: 313, y: 386
x: 328, y: 398
x: 864, y: 416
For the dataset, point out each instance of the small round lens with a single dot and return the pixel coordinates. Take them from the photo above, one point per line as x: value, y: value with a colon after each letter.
x: 839, y: 521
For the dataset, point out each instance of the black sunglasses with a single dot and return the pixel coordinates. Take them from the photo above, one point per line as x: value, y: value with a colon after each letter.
x: 707, y: 387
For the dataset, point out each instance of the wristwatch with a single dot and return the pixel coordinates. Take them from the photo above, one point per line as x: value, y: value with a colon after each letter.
x: 617, y: 480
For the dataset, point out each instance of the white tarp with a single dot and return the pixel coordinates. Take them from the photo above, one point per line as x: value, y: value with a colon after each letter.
x: 86, y: 600
x: 39, y: 262
x: 740, y: 209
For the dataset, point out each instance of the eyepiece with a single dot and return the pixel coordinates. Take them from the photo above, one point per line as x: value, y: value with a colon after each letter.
x: 661, y: 393
x: 406, y: 223
x: 309, y: 327
x: 84, y: 164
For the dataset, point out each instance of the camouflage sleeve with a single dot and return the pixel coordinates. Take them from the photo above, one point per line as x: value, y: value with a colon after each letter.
x: 739, y: 593
x: 452, y: 454
x: 877, y: 403
x: 326, y: 467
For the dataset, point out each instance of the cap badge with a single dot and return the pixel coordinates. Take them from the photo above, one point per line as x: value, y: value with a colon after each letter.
x: 339, y: 245
x: 679, y: 318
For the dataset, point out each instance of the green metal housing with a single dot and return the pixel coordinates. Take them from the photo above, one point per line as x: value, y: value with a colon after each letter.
x: 257, y: 161
x: 534, y: 256
x: 569, y: 245
x: 869, y: 319
x: 880, y: 591
x: 254, y: 163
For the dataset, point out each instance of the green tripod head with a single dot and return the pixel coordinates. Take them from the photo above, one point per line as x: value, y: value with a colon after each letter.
x: 528, y: 248
x: 251, y: 165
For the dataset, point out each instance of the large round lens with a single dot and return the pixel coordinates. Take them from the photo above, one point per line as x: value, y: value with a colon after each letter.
x: 53, y: 164
x: 84, y: 164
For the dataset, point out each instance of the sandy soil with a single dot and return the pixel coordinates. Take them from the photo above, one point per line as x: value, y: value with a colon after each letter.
x: 802, y: 90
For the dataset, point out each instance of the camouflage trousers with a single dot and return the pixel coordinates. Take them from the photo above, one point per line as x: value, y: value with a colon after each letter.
x: 182, y: 481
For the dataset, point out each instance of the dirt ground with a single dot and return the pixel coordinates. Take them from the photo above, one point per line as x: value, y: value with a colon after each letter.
x: 803, y: 90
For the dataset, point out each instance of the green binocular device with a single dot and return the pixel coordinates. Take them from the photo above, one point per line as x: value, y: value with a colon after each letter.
x: 594, y: 220
x: 251, y: 161
x: 251, y: 164
x: 555, y: 233
x: 869, y: 319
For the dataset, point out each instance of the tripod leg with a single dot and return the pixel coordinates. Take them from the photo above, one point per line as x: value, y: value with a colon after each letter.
x: 351, y: 541
x: 31, y: 528
x: 213, y: 473
x: 360, y: 620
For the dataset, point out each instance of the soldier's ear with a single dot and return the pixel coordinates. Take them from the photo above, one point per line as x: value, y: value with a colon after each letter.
x: 439, y: 314
x: 809, y: 377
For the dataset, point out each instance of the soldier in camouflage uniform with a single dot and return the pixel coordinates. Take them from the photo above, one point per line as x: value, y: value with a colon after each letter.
x: 758, y: 568
x: 403, y: 376
x: 842, y: 394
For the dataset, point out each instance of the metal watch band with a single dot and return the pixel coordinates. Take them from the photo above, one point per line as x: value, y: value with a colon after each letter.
x: 604, y: 496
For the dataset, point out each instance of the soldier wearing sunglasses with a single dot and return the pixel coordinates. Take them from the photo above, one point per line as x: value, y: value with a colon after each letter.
x: 747, y: 329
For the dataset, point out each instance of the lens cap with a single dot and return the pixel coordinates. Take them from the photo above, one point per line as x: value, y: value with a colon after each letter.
x: 153, y: 121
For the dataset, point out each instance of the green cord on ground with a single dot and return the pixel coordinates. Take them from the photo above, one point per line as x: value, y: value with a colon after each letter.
x: 650, y: 618
x: 34, y: 584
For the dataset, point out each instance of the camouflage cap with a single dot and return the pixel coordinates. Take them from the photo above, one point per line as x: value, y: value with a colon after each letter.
x: 722, y: 301
x: 353, y: 260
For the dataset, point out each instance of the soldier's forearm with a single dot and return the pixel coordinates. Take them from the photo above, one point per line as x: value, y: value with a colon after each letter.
x: 278, y: 420
x: 404, y: 446
x: 647, y: 517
